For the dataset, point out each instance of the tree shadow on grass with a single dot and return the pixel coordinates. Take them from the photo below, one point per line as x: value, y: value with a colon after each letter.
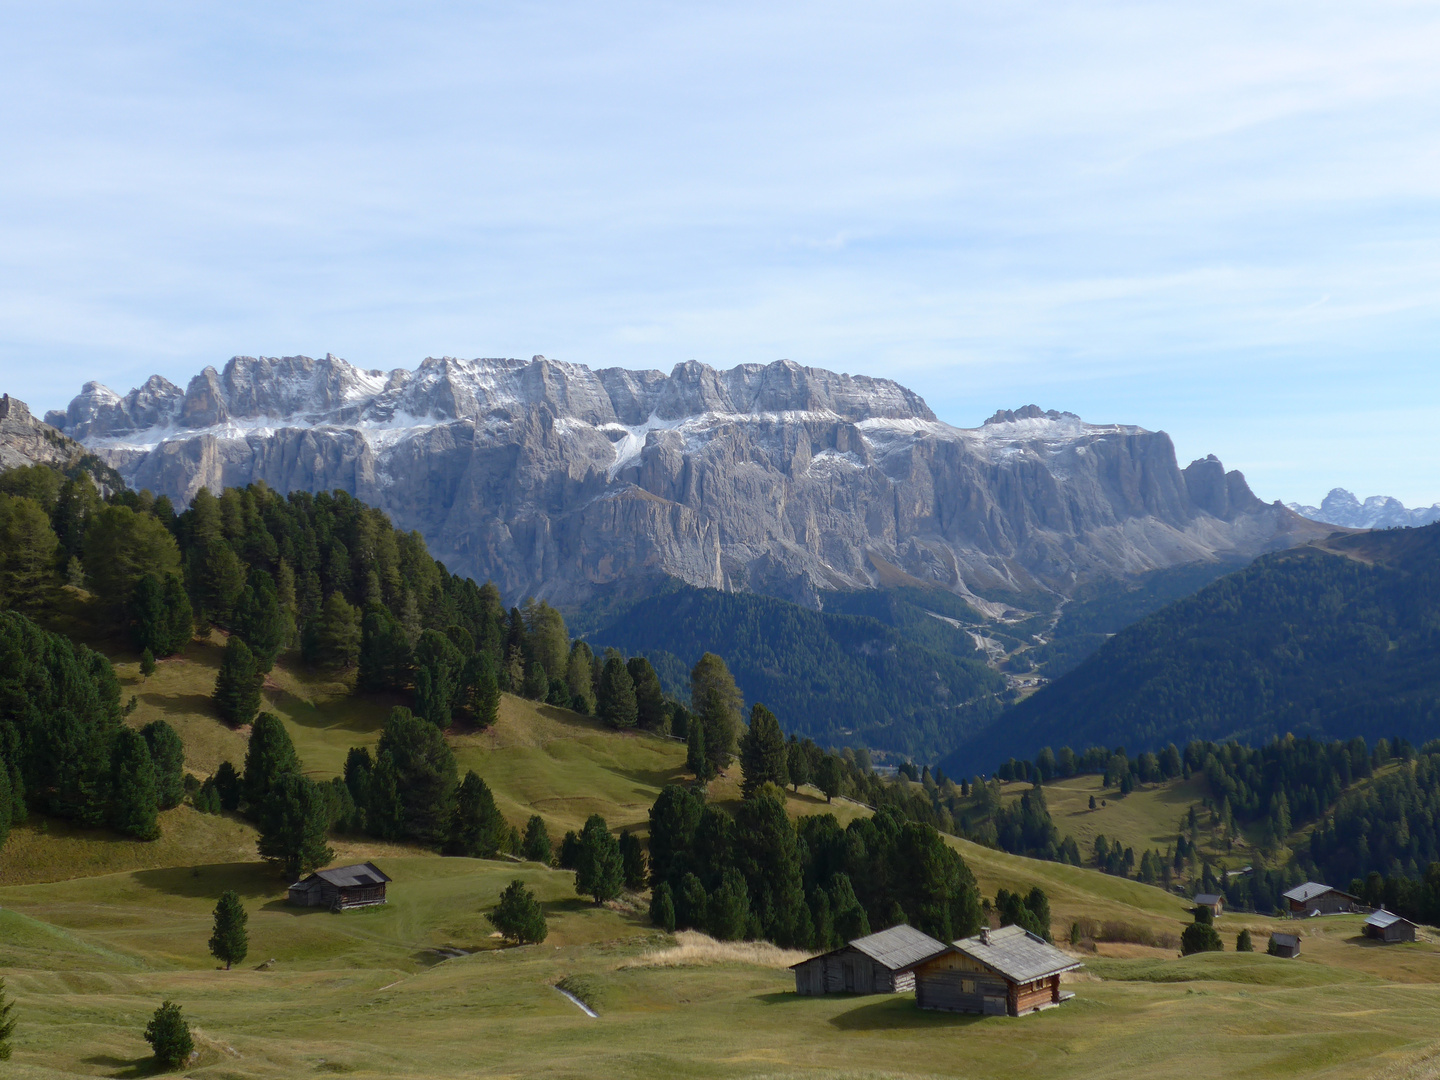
x: 250, y: 880
x: 182, y: 704
x: 128, y: 1067
x: 899, y: 1013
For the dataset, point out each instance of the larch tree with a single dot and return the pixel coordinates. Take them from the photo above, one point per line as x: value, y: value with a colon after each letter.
x: 716, y: 702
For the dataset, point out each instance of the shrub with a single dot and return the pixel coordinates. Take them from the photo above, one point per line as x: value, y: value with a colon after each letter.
x: 1200, y: 937
x: 169, y: 1036
x: 518, y: 916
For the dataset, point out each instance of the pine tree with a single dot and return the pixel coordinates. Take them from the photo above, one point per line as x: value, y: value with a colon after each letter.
x: 133, y: 800
x: 229, y: 941
x: 829, y: 776
x: 228, y: 786
x: 293, y: 821
x: 7, y: 800
x: 797, y: 763
x: 577, y: 678
x: 762, y: 752
x: 169, y: 1036
x: 1243, y: 942
x: 632, y: 860
x: 147, y: 664
x: 487, y: 697
x: 335, y: 639
x: 478, y: 830
x: 536, y: 685
x: 717, y: 702
x: 599, y: 871
x: 652, y: 712
x: 697, y: 761
x: 425, y: 776
x: 851, y: 921
x: 28, y: 552
x: 269, y: 758
x: 167, y: 754
x: 662, y: 908
x: 121, y: 547
x: 518, y: 916
x: 237, y: 686
x: 385, y: 657
x: 537, y: 841
x: 616, y: 702
x: 727, y: 910
x: 8, y: 1020
x: 438, y: 665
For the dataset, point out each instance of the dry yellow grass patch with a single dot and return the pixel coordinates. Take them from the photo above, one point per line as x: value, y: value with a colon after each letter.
x: 694, y: 949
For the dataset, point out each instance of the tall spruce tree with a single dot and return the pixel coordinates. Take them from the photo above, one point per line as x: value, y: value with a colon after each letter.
x: 600, y: 871
x: 716, y: 702
x: 616, y: 703
x: 652, y: 711
x: 293, y: 822
x: 261, y: 621
x: 425, y: 775
x: 167, y: 754
x: 479, y: 829
x: 237, y: 686
x: 697, y: 758
x: 269, y: 758
x: 230, y: 942
x: 797, y: 763
x: 762, y: 752
x: 537, y: 846
x: 132, y: 786
x: 438, y: 666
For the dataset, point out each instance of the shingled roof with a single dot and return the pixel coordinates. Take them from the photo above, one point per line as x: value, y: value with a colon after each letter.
x: 1017, y: 954
x: 1312, y: 889
x: 1383, y: 918
x: 898, y: 948
x: 346, y: 877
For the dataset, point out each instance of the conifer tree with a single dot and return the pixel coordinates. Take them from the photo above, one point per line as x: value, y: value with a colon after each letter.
x: 7, y: 799
x: 727, y: 910
x: 577, y: 678
x: 293, y: 821
x: 228, y: 786
x: 479, y: 830
x: 147, y: 664
x: 167, y: 754
x: 797, y: 763
x: 269, y: 758
x: 237, y: 686
x: 547, y: 640
x: 133, y: 801
x: 425, y: 775
x: 632, y: 861
x: 697, y: 760
x: 385, y: 658
x: 518, y: 916
x: 537, y: 841
x: 261, y: 621
x: 652, y: 712
x: 662, y: 908
x: 762, y: 752
x: 829, y: 776
x: 486, y: 695
x: 616, y: 703
x: 230, y: 941
x: 1243, y: 943
x: 333, y: 639
x: 121, y: 547
x: 599, y: 871
x: 438, y: 665
x: 169, y: 1036
x: 716, y: 702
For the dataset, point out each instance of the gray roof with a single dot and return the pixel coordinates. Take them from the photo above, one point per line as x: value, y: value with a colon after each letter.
x: 1285, y: 939
x: 1208, y: 898
x: 1017, y: 954
x: 897, y: 948
x: 1312, y: 889
x: 1383, y: 918
x: 345, y: 877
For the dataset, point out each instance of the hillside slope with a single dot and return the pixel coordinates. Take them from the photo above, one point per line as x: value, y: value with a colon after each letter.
x: 1335, y: 640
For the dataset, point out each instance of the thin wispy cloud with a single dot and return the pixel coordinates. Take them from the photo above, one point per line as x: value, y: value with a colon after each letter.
x: 1219, y: 220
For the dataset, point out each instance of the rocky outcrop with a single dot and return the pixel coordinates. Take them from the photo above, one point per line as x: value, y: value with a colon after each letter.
x: 560, y: 481
x: 26, y: 441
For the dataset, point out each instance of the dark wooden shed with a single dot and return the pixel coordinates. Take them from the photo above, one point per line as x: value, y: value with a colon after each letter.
x: 341, y: 888
x: 1005, y: 972
x: 1286, y: 945
x: 1388, y: 927
x: 878, y: 964
x: 1313, y: 898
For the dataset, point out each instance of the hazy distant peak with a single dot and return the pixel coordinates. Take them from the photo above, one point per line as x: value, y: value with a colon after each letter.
x: 1342, y: 508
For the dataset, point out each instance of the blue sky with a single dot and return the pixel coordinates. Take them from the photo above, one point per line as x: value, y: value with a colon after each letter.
x: 1218, y: 220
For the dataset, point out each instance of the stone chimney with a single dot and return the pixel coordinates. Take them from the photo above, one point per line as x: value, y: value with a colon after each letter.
x: 985, y: 936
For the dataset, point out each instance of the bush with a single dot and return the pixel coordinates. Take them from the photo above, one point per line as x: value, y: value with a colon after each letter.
x: 1200, y: 937
x: 169, y: 1035
x: 518, y: 916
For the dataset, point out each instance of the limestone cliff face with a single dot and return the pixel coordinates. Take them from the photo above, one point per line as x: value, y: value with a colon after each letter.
x: 26, y: 441
x: 556, y: 480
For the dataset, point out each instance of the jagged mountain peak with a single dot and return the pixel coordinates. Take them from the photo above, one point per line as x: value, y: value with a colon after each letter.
x: 1341, y: 507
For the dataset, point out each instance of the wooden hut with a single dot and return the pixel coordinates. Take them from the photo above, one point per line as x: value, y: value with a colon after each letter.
x: 1286, y: 945
x: 340, y: 889
x: 1388, y: 927
x: 1005, y: 972
x: 878, y: 964
x: 1313, y: 898
x: 1214, y: 901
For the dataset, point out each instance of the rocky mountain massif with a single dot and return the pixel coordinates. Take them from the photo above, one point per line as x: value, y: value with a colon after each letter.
x: 1342, y: 508
x: 567, y: 483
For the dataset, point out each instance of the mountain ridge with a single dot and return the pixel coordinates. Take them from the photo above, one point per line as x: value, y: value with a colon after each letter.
x: 1341, y: 507
x: 562, y: 482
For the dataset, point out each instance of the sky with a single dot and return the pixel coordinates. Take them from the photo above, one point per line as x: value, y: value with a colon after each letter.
x: 1220, y: 220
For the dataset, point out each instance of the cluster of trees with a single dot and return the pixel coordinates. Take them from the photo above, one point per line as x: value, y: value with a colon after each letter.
x: 807, y: 884
x: 1416, y: 898
x: 64, y: 748
x: 1390, y: 825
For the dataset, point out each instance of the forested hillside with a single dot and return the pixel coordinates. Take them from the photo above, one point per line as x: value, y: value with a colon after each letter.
x: 912, y: 683
x: 1334, y: 642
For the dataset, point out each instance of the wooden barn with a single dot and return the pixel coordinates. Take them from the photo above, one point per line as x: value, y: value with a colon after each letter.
x: 878, y: 964
x: 1388, y: 927
x: 1214, y: 901
x: 1313, y: 898
x: 340, y: 889
x: 1286, y: 945
x: 1005, y: 972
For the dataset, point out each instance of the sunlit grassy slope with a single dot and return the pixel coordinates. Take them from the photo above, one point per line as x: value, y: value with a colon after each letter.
x: 95, y: 932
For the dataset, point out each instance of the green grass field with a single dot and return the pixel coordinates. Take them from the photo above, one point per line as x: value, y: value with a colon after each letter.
x: 95, y: 932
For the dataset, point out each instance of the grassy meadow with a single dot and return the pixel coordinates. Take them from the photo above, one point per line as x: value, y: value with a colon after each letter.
x: 95, y: 932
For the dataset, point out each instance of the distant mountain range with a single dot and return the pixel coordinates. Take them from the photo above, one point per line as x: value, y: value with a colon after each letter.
x: 569, y: 484
x: 1342, y: 508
